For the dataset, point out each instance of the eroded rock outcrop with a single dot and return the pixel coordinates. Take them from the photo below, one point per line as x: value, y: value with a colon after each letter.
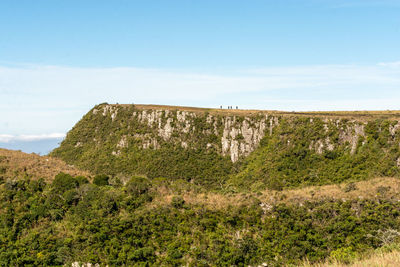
x: 233, y: 136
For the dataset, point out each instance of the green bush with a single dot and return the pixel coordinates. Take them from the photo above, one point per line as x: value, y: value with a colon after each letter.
x: 177, y: 202
x: 63, y: 182
x: 137, y: 186
x: 345, y: 255
x: 81, y: 180
x: 101, y: 180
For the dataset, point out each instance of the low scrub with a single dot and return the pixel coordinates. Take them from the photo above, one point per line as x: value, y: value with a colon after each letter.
x: 71, y: 220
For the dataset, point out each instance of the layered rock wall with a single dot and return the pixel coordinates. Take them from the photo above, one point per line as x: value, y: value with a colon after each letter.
x: 231, y: 135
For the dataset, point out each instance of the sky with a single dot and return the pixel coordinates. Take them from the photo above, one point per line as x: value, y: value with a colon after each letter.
x: 60, y: 58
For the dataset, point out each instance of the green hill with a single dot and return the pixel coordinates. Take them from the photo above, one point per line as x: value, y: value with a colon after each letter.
x: 214, y: 146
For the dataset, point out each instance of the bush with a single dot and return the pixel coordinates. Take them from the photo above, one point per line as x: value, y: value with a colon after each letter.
x: 3, y: 170
x: 81, y: 180
x: 63, y: 182
x: 71, y: 197
x: 137, y: 186
x: 101, y: 180
x: 343, y: 255
x: 177, y: 202
x: 350, y: 187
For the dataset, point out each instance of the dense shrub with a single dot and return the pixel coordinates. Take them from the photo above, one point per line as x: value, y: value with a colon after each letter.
x: 63, y: 182
x: 81, y: 180
x: 49, y: 225
x: 137, y: 186
x: 101, y: 180
x: 290, y: 158
x: 177, y: 202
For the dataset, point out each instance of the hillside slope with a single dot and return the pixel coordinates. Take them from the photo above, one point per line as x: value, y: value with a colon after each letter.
x: 17, y: 164
x: 174, y: 222
x: 215, y: 147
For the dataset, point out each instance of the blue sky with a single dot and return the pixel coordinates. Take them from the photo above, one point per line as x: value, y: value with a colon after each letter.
x: 59, y: 58
x: 199, y: 34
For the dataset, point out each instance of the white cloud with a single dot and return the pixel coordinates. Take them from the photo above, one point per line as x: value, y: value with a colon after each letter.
x: 36, y: 99
x: 395, y: 64
x: 118, y: 84
x: 6, y: 138
x: 68, y: 87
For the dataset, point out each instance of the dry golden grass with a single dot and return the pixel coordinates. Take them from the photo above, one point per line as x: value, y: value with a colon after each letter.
x: 382, y: 187
x: 16, y: 163
x: 212, y: 200
x: 357, y: 115
x: 389, y: 259
x: 387, y: 187
x: 223, y: 111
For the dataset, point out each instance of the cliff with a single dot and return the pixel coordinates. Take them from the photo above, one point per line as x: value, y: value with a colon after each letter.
x: 212, y: 146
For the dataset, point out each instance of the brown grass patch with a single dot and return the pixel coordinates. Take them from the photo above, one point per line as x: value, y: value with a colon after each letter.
x: 389, y: 259
x: 211, y: 200
x: 382, y: 187
x: 16, y: 164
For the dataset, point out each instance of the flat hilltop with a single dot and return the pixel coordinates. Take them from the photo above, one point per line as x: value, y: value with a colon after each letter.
x: 357, y: 114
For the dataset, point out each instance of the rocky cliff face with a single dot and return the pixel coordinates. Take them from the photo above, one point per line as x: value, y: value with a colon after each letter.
x: 233, y: 136
x: 189, y: 143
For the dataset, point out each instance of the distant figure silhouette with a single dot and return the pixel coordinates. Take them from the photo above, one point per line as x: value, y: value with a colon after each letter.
x: 236, y: 107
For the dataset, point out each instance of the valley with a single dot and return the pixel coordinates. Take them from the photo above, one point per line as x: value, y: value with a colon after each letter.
x: 144, y: 185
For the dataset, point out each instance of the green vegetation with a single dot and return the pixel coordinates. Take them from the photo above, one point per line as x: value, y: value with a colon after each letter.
x: 101, y: 180
x: 166, y: 193
x: 298, y: 151
x: 285, y: 159
x: 97, y: 137
x: 71, y: 220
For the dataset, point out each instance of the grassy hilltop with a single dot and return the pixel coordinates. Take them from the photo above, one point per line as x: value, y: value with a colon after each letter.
x: 177, y: 186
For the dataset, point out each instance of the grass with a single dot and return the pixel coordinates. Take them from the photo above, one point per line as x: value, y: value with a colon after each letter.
x: 359, y: 115
x: 387, y: 187
x: 382, y: 188
x: 16, y: 164
x: 379, y: 259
